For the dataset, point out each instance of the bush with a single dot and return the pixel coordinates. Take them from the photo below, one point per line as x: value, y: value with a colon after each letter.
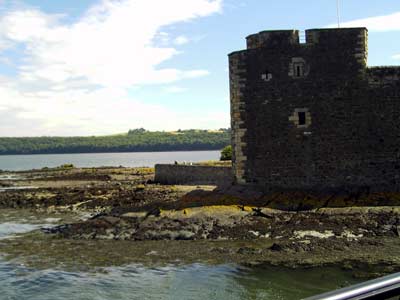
x: 66, y: 166
x: 226, y: 153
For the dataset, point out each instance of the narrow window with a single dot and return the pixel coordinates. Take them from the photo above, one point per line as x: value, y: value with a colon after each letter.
x: 298, y: 68
x: 298, y: 71
x: 302, y: 117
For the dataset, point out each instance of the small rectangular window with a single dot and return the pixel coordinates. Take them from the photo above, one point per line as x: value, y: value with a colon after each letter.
x: 298, y: 69
x: 302, y: 118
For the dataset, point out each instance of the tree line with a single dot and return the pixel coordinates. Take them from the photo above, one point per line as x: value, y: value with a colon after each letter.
x: 136, y: 140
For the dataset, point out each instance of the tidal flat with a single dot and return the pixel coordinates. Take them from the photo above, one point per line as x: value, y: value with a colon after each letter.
x: 85, y: 220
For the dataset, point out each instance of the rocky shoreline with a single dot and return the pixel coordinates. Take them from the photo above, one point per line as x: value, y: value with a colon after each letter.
x: 202, y: 223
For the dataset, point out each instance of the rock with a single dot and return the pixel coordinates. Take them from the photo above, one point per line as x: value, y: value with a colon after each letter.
x: 264, y: 212
x: 168, y: 235
x: 110, y: 236
x: 185, y: 235
x: 124, y: 236
x: 255, y: 233
x: 276, y: 247
x: 397, y: 230
x: 313, y: 233
x: 111, y: 220
x: 135, y: 214
x: 387, y: 227
x: 221, y: 250
x: 249, y: 250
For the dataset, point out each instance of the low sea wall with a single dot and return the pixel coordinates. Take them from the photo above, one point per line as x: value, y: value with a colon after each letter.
x: 193, y: 174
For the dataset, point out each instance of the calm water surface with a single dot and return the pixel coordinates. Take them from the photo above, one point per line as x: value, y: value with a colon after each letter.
x: 19, y: 281
x: 189, y: 282
x: 135, y: 159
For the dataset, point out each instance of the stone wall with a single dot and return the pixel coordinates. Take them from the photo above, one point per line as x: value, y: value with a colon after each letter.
x: 313, y: 115
x: 187, y: 174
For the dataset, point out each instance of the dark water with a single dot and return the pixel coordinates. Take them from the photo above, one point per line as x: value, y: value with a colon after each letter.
x: 186, y: 282
x: 135, y: 159
x: 19, y: 280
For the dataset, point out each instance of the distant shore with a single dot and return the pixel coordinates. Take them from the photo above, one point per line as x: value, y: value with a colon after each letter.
x: 133, y: 141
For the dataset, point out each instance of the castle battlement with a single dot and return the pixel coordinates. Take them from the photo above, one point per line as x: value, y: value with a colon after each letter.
x: 312, y: 115
x: 325, y: 36
x: 273, y: 38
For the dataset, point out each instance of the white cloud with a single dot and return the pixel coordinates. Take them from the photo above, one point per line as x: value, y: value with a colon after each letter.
x: 174, y: 89
x: 389, y: 22
x: 6, y: 61
x: 181, y: 40
x: 74, y: 78
x: 396, y: 56
x: 112, y: 45
x: 195, y: 73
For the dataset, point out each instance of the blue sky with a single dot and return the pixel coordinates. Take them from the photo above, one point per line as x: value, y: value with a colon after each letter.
x: 92, y: 67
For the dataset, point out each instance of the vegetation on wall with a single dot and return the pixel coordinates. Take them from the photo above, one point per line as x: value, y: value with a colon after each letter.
x: 135, y: 140
x: 226, y: 153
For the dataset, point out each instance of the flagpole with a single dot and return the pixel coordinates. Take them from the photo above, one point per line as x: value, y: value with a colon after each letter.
x: 338, y: 12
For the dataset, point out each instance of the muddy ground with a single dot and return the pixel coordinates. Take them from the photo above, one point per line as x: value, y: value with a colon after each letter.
x: 201, y: 223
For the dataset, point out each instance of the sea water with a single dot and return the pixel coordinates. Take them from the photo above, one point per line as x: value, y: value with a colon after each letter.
x: 90, y: 160
x: 20, y: 280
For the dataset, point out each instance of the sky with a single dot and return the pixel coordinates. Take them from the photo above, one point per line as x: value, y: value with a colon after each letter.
x: 97, y: 67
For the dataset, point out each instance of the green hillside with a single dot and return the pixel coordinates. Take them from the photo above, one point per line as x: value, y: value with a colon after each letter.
x: 136, y: 140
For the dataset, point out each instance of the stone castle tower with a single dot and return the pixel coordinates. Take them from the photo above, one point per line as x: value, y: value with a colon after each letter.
x: 312, y: 115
